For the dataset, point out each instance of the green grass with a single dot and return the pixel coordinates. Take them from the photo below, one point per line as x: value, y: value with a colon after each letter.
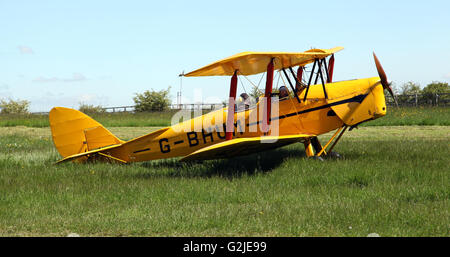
x: 393, y: 181
x: 405, y: 116
x: 395, y: 117
x: 118, y: 119
x: 28, y: 120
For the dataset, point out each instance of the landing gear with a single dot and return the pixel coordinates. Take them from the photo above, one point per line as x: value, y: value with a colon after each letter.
x: 314, y: 149
x: 317, y: 158
x: 333, y: 155
x: 313, y: 146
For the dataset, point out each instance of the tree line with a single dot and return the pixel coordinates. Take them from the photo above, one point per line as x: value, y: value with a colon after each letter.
x: 411, y: 93
x: 149, y: 100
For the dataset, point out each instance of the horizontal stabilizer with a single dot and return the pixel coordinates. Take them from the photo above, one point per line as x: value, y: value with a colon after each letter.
x: 97, y: 152
x: 243, y: 146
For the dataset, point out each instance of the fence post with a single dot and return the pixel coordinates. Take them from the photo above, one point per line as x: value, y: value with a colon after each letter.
x: 416, y: 100
x: 437, y: 98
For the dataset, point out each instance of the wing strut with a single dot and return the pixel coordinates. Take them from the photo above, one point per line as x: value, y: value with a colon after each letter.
x: 330, y: 69
x: 290, y: 84
x: 309, y: 81
x: 325, y: 68
x: 323, y: 81
x: 267, y: 97
x: 298, y: 78
x: 319, y: 74
x: 299, y: 75
x: 231, y: 109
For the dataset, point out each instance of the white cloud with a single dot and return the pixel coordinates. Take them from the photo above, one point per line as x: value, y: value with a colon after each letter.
x: 49, y: 99
x: 4, y: 87
x: 4, y: 91
x: 87, y: 98
x: 25, y: 50
x: 45, y: 80
x: 75, y: 77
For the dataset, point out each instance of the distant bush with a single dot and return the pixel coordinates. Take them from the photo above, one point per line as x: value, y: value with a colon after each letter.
x: 152, y: 101
x: 410, y: 88
x: 435, y: 93
x: 440, y: 88
x: 90, y: 108
x: 14, y: 107
x: 255, y: 93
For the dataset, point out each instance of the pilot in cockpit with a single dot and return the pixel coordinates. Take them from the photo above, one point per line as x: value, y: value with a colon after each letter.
x: 244, y: 102
x: 283, y: 93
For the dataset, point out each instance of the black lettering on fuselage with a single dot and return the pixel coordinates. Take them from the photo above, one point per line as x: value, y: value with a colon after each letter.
x: 192, y: 138
x: 218, y: 132
x: 238, y: 124
x: 225, y: 129
x: 165, y: 148
x: 210, y: 135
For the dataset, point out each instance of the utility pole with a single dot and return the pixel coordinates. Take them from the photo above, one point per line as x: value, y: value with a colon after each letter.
x: 179, y: 93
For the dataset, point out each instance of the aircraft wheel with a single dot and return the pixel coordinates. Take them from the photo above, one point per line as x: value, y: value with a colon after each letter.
x: 334, y: 155
x: 317, y: 158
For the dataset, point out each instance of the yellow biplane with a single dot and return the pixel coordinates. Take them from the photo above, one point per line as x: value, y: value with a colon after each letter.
x: 310, y: 108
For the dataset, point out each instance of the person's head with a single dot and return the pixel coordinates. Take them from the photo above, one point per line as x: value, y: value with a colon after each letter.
x: 283, y: 91
x: 244, y: 96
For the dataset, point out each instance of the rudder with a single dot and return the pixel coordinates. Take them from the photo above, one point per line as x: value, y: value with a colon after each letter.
x: 74, y: 132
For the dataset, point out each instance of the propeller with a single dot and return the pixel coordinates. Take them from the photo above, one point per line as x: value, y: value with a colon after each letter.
x: 383, y: 78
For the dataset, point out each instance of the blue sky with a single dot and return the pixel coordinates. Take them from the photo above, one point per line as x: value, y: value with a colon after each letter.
x: 61, y: 53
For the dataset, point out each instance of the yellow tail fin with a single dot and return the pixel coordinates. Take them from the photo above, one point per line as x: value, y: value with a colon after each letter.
x: 74, y: 132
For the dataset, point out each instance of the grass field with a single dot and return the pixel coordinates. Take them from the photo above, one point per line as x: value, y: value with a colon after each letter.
x: 394, y: 181
x: 118, y: 119
x: 396, y: 117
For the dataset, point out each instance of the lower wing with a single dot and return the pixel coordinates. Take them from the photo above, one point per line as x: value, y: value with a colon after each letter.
x: 243, y: 146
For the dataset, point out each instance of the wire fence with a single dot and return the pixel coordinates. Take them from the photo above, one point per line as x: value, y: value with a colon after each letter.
x: 200, y: 106
x: 414, y: 100
x: 417, y: 100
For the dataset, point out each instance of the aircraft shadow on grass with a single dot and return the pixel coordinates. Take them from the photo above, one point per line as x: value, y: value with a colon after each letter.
x: 227, y: 168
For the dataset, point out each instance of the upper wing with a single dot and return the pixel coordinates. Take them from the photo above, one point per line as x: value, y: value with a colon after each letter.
x: 243, y: 146
x: 249, y: 63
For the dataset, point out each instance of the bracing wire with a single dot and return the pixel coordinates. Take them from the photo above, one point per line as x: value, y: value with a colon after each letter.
x: 253, y: 84
x: 262, y: 76
x: 290, y: 97
x: 240, y: 80
x: 278, y: 80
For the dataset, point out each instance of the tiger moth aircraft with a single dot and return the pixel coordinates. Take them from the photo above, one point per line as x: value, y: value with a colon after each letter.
x: 299, y: 114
